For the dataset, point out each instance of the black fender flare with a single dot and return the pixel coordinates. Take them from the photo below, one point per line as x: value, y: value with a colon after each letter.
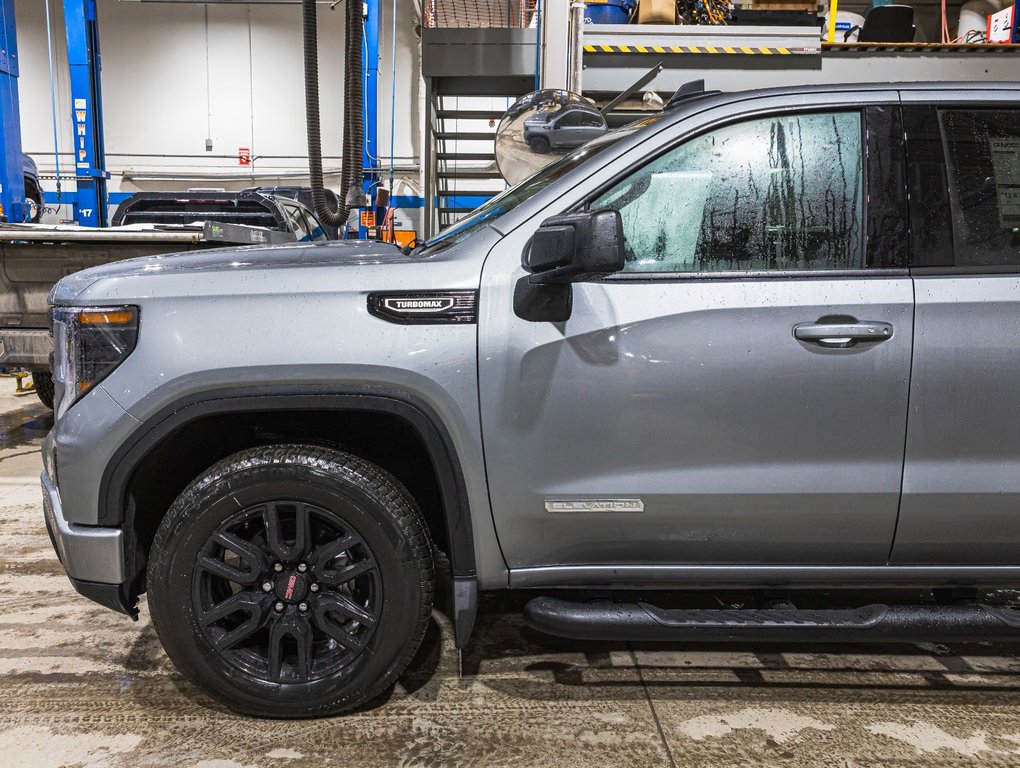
x: 422, y: 418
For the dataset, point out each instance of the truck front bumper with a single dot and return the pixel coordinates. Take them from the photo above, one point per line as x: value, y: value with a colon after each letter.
x: 93, y: 556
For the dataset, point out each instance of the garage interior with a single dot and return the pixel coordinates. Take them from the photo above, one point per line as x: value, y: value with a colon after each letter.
x: 193, y: 130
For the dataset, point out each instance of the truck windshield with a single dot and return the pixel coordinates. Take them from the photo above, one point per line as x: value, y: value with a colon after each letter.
x: 511, y: 198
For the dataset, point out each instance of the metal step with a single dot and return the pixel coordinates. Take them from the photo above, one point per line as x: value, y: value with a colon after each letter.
x: 455, y: 211
x: 465, y: 156
x: 468, y: 173
x: 445, y: 191
x: 469, y: 114
x: 641, y: 622
x: 465, y: 136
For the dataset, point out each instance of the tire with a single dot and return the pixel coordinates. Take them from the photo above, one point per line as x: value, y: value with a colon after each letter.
x: 32, y: 193
x: 229, y: 554
x: 539, y: 145
x: 44, y: 387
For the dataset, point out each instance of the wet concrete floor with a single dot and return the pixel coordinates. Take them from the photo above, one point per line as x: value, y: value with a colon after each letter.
x: 82, y: 686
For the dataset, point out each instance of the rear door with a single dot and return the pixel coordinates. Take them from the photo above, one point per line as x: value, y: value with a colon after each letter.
x: 961, y: 484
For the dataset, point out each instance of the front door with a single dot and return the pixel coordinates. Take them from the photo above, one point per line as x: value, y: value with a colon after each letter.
x: 738, y: 395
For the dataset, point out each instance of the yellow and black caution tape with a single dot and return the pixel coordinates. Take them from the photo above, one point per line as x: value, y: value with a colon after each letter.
x: 747, y: 51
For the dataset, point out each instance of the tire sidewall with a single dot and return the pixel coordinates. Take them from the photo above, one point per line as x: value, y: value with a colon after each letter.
x: 44, y: 388
x: 195, y: 520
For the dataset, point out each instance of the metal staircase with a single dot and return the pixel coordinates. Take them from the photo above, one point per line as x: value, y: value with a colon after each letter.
x: 472, y: 73
x: 466, y: 172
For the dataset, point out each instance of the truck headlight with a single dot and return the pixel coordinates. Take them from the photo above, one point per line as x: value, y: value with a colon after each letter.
x: 88, y: 343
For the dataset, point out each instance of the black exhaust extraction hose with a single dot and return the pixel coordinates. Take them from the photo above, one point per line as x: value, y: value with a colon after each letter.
x: 351, y: 168
x: 354, y: 105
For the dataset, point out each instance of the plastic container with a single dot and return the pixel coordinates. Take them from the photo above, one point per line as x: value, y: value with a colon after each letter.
x: 609, y: 11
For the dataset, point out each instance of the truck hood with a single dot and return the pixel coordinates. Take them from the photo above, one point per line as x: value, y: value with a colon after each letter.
x: 230, y: 268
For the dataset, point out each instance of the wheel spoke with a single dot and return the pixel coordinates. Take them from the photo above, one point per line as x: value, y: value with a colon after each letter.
x: 334, y: 603
x: 241, y: 601
x: 324, y: 554
x: 301, y: 633
x: 274, y: 532
x: 246, y: 550
x: 245, y: 577
x: 302, y: 531
x: 334, y: 577
x: 337, y: 632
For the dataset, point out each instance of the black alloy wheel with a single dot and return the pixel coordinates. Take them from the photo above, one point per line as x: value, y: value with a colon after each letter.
x: 287, y: 592
x: 292, y: 581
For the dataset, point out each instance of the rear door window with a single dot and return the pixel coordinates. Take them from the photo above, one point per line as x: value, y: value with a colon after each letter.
x: 983, y: 172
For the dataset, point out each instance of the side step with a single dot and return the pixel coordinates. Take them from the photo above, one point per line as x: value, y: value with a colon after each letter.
x: 640, y: 622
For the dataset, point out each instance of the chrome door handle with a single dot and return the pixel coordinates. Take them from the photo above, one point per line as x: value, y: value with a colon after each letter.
x: 842, y: 335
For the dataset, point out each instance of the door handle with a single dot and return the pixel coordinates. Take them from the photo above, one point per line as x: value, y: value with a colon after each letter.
x: 843, y: 335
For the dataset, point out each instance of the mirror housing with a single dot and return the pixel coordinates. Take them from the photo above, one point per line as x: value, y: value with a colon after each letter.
x: 575, y: 247
x: 567, y: 249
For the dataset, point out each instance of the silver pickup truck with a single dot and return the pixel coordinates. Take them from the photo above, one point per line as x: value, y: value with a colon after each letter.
x: 765, y: 340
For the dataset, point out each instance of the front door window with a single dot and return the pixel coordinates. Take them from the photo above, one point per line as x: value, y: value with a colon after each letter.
x: 777, y: 193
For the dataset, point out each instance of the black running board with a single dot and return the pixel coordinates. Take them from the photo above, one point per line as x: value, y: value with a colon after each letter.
x: 640, y: 622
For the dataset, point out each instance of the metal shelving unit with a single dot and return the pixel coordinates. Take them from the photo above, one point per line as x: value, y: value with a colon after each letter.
x: 660, y: 40
x: 742, y: 57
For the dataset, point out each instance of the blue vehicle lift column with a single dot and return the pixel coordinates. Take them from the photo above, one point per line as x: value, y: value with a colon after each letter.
x: 82, y: 28
x: 370, y: 99
x: 12, y: 169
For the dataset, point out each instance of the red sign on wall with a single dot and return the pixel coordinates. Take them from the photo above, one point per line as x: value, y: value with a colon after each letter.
x: 244, y: 155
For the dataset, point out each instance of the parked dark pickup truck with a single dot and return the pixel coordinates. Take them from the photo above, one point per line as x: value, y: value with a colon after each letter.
x: 277, y: 208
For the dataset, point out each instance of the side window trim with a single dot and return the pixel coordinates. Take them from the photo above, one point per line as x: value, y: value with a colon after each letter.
x: 788, y: 274
x: 887, y: 226
x: 921, y: 160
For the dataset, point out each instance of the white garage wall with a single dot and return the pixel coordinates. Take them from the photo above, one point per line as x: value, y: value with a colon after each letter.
x: 175, y: 74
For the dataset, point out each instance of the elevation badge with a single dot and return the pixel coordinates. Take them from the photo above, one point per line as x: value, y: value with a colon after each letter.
x: 425, y: 307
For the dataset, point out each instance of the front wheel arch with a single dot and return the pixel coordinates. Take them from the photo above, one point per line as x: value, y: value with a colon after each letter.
x: 135, y: 491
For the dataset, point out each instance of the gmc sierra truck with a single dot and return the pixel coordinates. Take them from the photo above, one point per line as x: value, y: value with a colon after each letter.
x: 763, y: 340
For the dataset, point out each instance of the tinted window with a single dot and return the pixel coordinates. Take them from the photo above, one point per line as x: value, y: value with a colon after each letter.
x: 983, y: 163
x: 777, y: 193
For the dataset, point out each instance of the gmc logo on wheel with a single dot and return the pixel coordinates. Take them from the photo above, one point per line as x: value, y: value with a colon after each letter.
x: 290, y: 587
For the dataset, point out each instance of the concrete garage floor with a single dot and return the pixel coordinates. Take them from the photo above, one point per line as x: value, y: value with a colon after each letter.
x: 82, y: 686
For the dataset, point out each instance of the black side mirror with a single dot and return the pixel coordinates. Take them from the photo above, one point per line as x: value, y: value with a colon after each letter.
x: 567, y: 249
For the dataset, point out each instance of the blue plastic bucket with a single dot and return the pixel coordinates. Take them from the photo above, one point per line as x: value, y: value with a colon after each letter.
x: 609, y: 12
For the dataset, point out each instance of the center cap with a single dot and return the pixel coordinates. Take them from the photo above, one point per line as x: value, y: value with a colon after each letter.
x: 291, y: 586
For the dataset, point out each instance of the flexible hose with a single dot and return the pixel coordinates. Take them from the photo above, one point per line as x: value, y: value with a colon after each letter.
x: 350, y: 173
x: 354, y: 117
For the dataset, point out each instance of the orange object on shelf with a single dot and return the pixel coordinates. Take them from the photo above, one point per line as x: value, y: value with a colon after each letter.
x: 656, y: 12
x: 784, y: 5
